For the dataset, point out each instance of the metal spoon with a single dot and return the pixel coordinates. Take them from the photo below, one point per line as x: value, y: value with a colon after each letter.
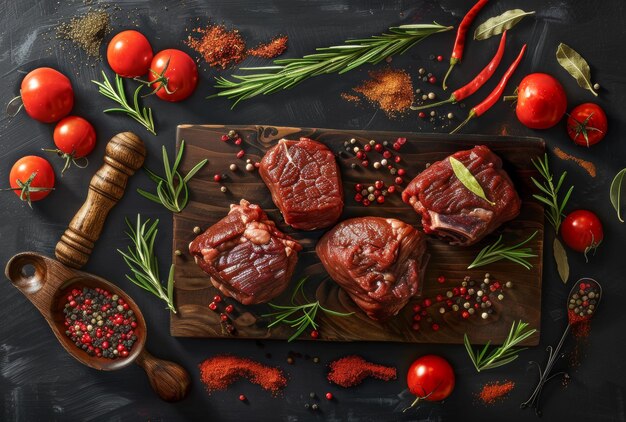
x: 582, y: 304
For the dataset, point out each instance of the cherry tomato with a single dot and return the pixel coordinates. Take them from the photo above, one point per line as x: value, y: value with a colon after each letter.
x: 173, y: 75
x: 75, y: 138
x: 587, y: 124
x: 47, y: 95
x: 541, y: 101
x: 129, y: 54
x: 430, y: 378
x: 32, y: 178
x: 582, y: 231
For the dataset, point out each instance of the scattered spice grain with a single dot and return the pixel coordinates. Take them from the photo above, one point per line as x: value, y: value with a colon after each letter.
x: 493, y: 391
x: 390, y: 89
x: 352, y: 370
x: 219, y: 372
x: 218, y: 46
x: 588, y: 166
x: 87, y: 31
x: 272, y: 49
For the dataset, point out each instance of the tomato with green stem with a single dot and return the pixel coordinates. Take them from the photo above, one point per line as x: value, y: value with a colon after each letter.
x: 173, y: 75
x: 582, y: 231
x: 587, y: 124
x: 74, y: 138
x: 430, y: 378
x: 31, y: 178
x: 46, y: 94
x: 129, y: 54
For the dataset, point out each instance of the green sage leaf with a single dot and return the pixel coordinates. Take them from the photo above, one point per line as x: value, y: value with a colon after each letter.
x: 576, y: 66
x: 468, y: 179
x: 560, y: 256
x: 616, y: 192
x: 498, y: 24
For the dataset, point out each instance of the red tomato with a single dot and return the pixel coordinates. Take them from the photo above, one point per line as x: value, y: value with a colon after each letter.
x: 173, y: 75
x: 47, y: 95
x: 75, y: 138
x: 32, y: 178
x: 582, y: 231
x: 129, y: 54
x: 431, y: 378
x: 541, y: 101
x: 587, y: 124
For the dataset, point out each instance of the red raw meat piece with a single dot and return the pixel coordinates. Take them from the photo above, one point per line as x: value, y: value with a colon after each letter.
x: 305, y: 183
x: 247, y: 257
x: 453, y: 212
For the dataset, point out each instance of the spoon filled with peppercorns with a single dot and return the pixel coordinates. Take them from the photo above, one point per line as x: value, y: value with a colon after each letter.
x: 582, y: 304
x: 95, y: 321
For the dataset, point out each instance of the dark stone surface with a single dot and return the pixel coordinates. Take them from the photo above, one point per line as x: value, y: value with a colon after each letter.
x: 39, y: 381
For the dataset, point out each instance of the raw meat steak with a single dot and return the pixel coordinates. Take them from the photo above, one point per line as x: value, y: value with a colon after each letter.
x: 305, y: 183
x: 247, y: 257
x: 453, y: 212
x: 378, y: 261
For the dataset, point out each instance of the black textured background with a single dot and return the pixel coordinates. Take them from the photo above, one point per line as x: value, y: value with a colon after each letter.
x: 39, y: 381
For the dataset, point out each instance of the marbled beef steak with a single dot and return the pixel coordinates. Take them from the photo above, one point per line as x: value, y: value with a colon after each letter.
x: 453, y: 212
x: 305, y: 183
x: 377, y: 261
x: 247, y: 257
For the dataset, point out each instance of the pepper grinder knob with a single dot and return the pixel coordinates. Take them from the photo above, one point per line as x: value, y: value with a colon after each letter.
x: 125, y: 154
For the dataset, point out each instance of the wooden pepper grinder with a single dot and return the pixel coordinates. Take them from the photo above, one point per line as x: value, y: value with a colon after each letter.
x: 125, y: 154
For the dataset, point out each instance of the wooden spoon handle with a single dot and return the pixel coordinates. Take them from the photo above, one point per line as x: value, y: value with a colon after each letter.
x: 170, y: 380
x: 124, y: 155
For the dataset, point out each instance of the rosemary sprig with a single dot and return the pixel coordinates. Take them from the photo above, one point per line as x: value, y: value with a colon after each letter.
x: 554, y: 213
x: 172, y: 191
x: 142, y: 115
x: 143, y: 264
x: 503, y: 354
x: 498, y: 251
x: 288, y: 73
x: 299, y: 316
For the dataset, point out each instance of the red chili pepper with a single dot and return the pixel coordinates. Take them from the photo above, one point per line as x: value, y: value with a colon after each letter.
x: 495, y: 95
x: 480, y: 79
x: 459, y: 43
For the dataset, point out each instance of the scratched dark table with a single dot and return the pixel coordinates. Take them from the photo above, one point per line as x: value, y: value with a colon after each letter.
x: 39, y: 381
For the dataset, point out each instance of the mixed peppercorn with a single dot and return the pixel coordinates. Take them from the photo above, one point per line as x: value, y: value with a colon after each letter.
x: 582, y: 304
x: 100, y: 323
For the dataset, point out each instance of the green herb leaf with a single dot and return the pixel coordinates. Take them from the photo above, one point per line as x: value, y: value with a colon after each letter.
x: 467, y: 179
x: 560, y: 256
x: 554, y: 212
x: 576, y: 66
x: 498, y: 251
x: 616, y: 192
x: 498, y: 24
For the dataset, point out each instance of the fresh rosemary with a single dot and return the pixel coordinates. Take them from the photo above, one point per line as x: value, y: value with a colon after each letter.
x: 142, y: 115
x: 554, y: 213
x: 288, y: 73
x: 498, y: 251
x: 170, y: 188
x: 143, y: 264
x: 288, y: 314
x: 503, y: 354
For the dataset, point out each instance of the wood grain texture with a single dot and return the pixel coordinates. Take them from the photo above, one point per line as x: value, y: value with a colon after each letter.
x: 125, y: 154
x: 45, y: 283
x: 207, y: 205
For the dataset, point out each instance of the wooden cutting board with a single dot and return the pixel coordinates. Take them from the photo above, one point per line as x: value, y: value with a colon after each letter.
x: 207, y: 205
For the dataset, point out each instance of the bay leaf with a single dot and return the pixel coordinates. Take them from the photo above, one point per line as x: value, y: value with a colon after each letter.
x: 498, y: 24
x: 560, y: 256
x: 616, y: 192
x: 467, y: 179
x: 576, y: 66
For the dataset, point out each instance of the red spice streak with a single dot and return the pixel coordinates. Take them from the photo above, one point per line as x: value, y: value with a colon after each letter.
x: 352, y: 370
x: 218, y: 46
x: 493, y: 391
x: 274, y: 48
x: 218, y: 372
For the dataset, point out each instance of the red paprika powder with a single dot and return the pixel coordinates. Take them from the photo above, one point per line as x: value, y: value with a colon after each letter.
x: 219, y: 372
x: 352, y: 370
x: 495, y: 390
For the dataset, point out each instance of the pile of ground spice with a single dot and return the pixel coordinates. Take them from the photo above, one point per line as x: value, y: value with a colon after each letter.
x: 218, y: 372
x: 87, y: 31
x: 588, y: 166
x: 493, y: 391
x: 352, y: 370
x: 274, y: 48
x: 390, y: 89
